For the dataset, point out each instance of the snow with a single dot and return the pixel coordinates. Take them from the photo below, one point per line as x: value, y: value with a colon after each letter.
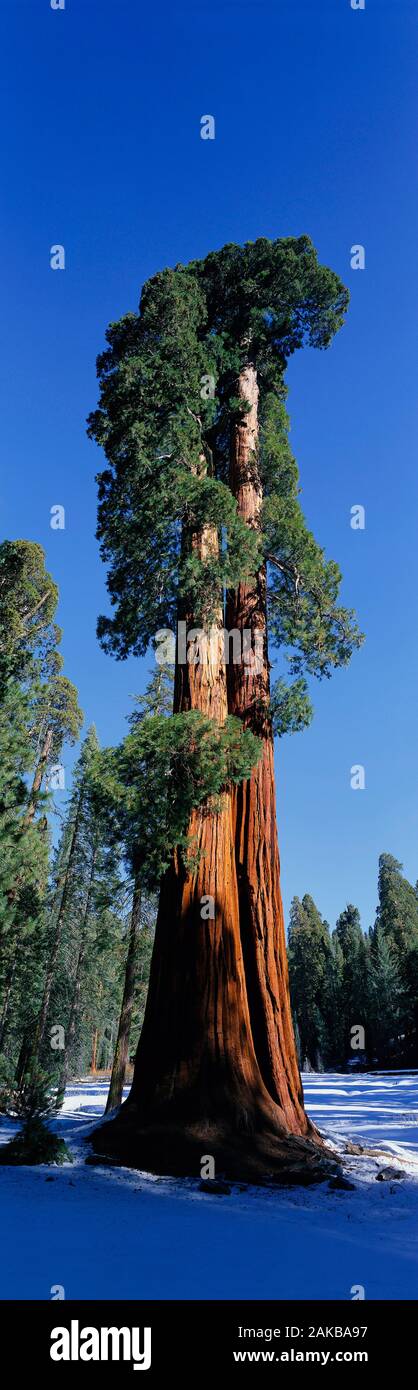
x: 114, y: 1233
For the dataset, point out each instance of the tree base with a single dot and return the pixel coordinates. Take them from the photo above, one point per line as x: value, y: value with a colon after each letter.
x: 174, y: 1150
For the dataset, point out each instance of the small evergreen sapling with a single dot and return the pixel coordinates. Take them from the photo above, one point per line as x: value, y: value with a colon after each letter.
x: 35, y: 1104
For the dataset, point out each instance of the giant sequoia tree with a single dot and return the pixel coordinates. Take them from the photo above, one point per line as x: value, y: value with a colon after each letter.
x: 201, y: 526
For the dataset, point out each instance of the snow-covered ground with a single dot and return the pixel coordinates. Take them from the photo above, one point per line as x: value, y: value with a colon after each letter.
x: 115, y: 1233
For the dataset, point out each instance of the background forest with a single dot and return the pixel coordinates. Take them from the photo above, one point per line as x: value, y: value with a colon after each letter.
x: 77, y: 916
x: 112, y: 172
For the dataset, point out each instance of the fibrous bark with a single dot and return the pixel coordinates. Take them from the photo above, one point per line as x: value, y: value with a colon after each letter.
x: 253, y: 801
x: 198, y: 1086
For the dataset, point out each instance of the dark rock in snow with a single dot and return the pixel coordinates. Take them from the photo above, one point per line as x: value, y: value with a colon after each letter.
x: 341, y: 1184
x: 389, y: 1175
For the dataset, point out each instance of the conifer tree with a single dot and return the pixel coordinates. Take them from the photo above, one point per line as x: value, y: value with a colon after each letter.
x: 38, y: 712
x: 57, y: 720
x: 385, y: 997
x: 28, y: 600
x: 157, y: 700
x: 104, y: 975
x: 28, y: 634
x: 198, y: 508
x: 83, y: 926
x: 336, y: 1053
x: 310, y: 954
x: 397, y: 913
x: 394, y: 945
x: 24, y: 857
x: 68, y: 890
x: 354, y: 979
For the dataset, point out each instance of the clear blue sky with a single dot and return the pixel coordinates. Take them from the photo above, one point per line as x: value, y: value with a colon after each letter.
x: 316, y: 127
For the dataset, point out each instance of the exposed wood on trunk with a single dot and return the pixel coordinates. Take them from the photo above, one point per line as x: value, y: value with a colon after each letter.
x: 254, y: 809
x: 40, y: 771
x: 121, y: 1057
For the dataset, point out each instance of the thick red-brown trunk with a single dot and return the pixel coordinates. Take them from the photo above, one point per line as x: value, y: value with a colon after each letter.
x: 196, y: 1064
x: 253, y: 802
x: 198, y: 1088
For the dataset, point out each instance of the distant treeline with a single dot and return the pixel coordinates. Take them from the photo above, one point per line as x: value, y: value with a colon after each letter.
x: 355, y: 995
x: 77, y: 920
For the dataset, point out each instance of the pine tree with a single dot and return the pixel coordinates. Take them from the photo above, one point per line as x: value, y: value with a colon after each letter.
x: 397, y: 925
x: 158, y: 696
x: 28, y: 600
x: 336, y: 1054
x: 385, y: 997
x: 310, y: 956
x: 83, y: 926
x: 57, y: 720
x: 24, y: 857
x: 397, y: 912
x: 198, y: 500
x: 38, y: 712
x: 157, y: 701
x: 354, y: 980
x: 68, y: 893
x: 102, y: 976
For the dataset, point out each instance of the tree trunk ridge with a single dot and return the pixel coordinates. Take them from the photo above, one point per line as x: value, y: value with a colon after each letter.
x: 253, y: 802
x: 198, y: 1085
